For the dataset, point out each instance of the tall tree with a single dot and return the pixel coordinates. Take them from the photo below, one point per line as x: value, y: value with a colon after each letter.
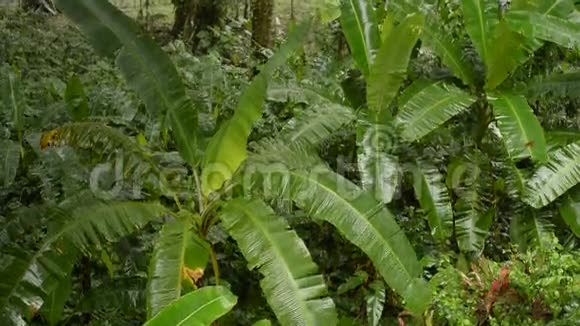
x: 262, y: 16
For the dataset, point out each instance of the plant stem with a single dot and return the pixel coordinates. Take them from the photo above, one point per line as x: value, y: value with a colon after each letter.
x: 198, y: 190
x: 215, y: 266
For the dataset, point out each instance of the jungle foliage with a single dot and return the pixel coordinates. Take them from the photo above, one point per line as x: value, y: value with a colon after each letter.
x: 429, y: 177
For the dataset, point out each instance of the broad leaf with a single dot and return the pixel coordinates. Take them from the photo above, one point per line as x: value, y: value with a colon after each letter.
x: 522, y: 133
x: 54, y: 307
x: 429, y: 108
x: 353, y: 282
x: 28, y: 279
x: 327, y: 196
x: 390, y: 66
x: 380, y: 172
x: 545, y: 27
x: 558, y: 175
x: 76, y: 99
x: 179, y: 256
x: 199, y: 308
x: 9, y: 159
x: 228, y: 147
x: 263, y: 322
x: 564, y: 85
x: 360, y: 27
x: 570, y: 212
x: 293, y: 288
x: 375, y: 301
x: 147, y: 69
x: 12, y: 98
x: 476, y: 15
x: 435, y: 201
x: 529, y: 229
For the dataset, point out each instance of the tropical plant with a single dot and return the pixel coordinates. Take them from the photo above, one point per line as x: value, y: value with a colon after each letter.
x: 217, y: 192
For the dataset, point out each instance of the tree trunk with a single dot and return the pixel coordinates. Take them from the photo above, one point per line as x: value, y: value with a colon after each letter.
x: 262, y: 16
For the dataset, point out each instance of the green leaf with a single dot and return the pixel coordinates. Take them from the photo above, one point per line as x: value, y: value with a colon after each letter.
x: 11, y: 96
x: 390, y: 66
x: 316, y: 124
x: 263, y: 322
x: 545, y: 27
x: 570, y: 212
x: 178, y: 252
x: 228, y: 147
x: 198, y: 308
x: 329, y: 10
x: 146, y: 68
x: 435, y: 201
x: 476, y: 16
x: 429, y: 108
x: 522, y: 133
x: 375, y: 301
x: 530, y: 229
x: 327, y: 196
x: 122, y: 294
x: 293, y: 288
x: 553, y: 179
x: 9, y: 160
x: 353, y: 282
x: 380, y: 172
x: 28, y: 279
x: 54, y: 307
x: 361, y: 29
x: 562, y: 85
x: 509, y: 51
x: 76, y: 99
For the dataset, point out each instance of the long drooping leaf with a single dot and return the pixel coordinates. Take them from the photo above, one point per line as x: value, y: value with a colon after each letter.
x: 570, y: 211
x: 443, y: 44
x: 435, y: 201
x: 28, y: 279
x: 199, y: 308
x: 121, y: 294
x: 147, y: 69
x: 11, y: 97
x: 476, y: 15
x: 521, y: 131
x: 545, y: 27
x: 565, y: 85
x: 327, y: 196
x: 9, y: 159
x: 390, y: 66
x: 179, y: 254
x: 472, y: 223
x: 429, y: 108
x: 293, y: 288
x: 375, y: 302
x: 57, y: 301
x: 313, y: 126
x: 558, y: 175
x: 228, y: 147
x: 361, y: 29
x: 530, y: 228
x: 379, y: 169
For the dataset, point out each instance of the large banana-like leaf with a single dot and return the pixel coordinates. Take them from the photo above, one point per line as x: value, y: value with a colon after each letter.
x: 435, y: 201
x: 314, y: 125
x: 327, y: 196
x: 530, y: 228
x: 11, y: 97
x: 472, y: 222
x: 199, y: 308
x: 545, y: 27
x: 565, y: 85
x: 54, y: 307
x: 179, y: 256
x: 28, y: 279
x: 521, y: 131
x: 293, y: 288
x: 558, y: 175
x: 375, y: 302
x: 390, y: 66
x: 558, y: 8
x: 9, y: 159
x: 476, y: 15
x: 429, y: 108
x: 570, y: 211
x: 379, y: 170
x: 147, y: 69
x: 361, y: 29
x: 443, y: 44
x: 228, y: 147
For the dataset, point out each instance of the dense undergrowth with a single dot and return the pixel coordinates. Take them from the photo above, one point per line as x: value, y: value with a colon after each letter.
x: 529, y: 267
